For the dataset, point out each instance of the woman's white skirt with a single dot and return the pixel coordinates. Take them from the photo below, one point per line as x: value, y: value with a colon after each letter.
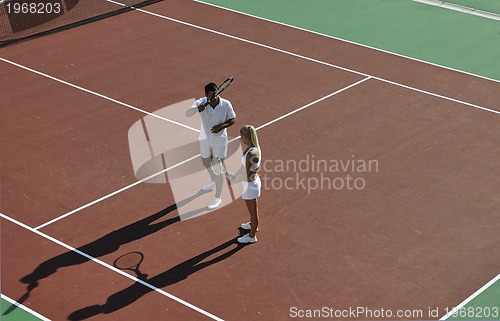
x: 251, y: 190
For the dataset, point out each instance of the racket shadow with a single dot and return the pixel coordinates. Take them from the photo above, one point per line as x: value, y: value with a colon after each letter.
x: 107, y: 244
x: 131, y: 261
x: 171, y: 276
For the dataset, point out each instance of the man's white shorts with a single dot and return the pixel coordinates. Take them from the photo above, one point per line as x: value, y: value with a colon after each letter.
x: 207, y: 150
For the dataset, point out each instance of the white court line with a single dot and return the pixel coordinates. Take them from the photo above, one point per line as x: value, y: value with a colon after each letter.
x: 188, y: 160
x: 308, y: 58
x: 25, y: 308
x: 115, y: 192
x: 347, y: 41
x: 313, y: 103
x: 472, y: 297
x: 463, y: 9
x: 306, y: 106
x: 110, y: 267
x: 96, y: 94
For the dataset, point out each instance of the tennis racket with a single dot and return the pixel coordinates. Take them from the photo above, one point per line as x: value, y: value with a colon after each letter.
x: 219, y: 169
x: 220, y: 89
x: 131, y: 262
x: 218, y: 166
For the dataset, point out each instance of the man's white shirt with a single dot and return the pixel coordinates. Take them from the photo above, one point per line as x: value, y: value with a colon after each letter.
x: 211, y: 117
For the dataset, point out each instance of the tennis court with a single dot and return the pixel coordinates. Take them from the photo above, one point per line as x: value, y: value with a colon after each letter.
x: 380, y: 177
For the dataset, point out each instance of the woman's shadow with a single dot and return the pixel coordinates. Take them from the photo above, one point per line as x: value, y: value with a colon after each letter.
x: 173, y: 275
x: 104, y: 245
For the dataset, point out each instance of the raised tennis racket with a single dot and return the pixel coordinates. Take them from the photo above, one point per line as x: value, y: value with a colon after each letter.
x: 131, y: 262
x: 220, y: 89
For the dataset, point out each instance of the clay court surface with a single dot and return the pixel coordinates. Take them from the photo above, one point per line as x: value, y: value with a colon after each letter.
x: 421, y: 233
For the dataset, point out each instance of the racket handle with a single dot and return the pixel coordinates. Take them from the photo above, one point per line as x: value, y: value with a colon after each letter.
x: 207, y: 102
x: 202, y: 107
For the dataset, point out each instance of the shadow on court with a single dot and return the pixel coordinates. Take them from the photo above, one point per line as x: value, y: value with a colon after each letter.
x: 173, y: 275
x: 107, y: 244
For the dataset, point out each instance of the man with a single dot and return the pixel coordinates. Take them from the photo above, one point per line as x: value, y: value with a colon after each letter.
x: 216, y: 117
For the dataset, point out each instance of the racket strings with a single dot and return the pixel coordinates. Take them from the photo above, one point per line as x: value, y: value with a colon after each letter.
x: 217, y: 166
x: 224, y: 85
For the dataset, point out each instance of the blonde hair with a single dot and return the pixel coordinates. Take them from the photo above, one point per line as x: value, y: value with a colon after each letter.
x: 250, y: 133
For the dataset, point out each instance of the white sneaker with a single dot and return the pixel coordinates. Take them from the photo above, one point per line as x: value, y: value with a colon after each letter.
x: 214, y: 203
x: 208, y: 186
x: 247, y: 239
x: 247, y: 226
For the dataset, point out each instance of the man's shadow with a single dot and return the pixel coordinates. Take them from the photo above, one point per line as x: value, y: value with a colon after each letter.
x: 171, y: 276
x: 107, y: 244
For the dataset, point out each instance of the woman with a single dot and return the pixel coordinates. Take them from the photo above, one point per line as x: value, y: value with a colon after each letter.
x: 251, y: 185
